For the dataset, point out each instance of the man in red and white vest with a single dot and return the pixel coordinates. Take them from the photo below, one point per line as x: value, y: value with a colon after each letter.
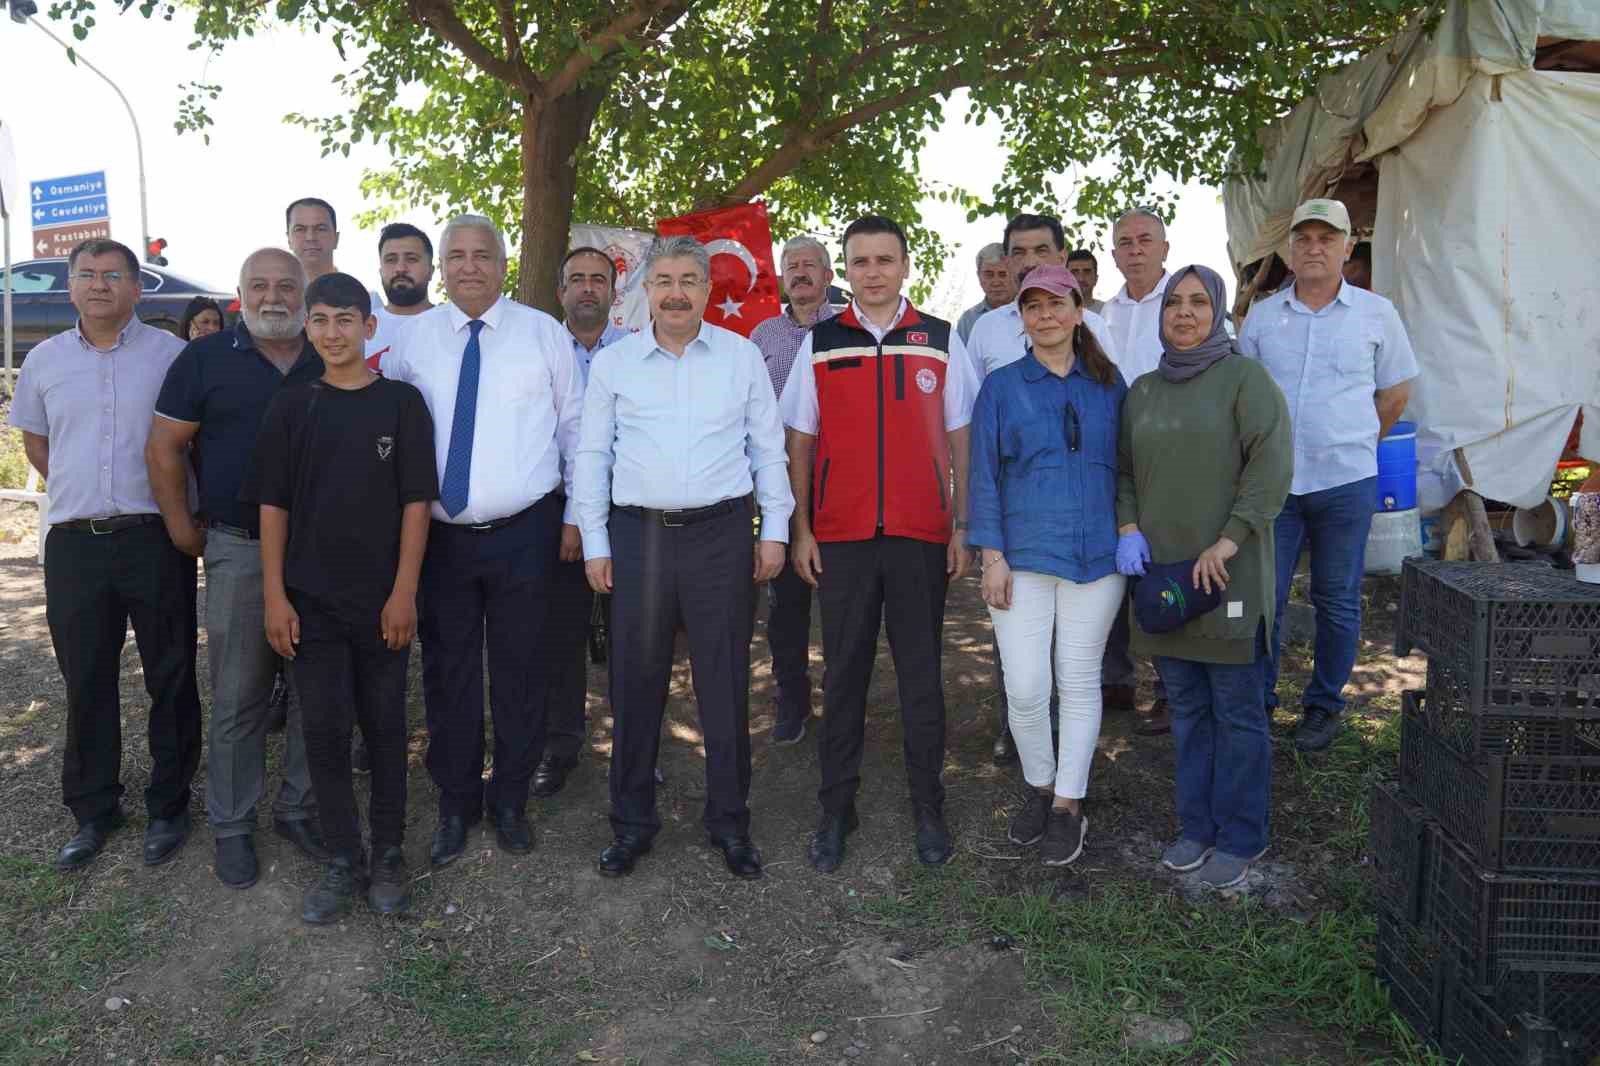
x: 877, y: 406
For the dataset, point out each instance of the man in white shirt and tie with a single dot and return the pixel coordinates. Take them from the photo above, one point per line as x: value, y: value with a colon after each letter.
x: 1139, y: 247
x: 505, y: 393
x: 681, y: 448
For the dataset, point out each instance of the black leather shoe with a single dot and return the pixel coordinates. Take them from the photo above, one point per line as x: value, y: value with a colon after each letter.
x: 512, y: 831
x: 1316, y: 730
x: 303, y: 834
x: 933, y: 837
x: 163, y: 837
x: 450, y: 839
x: 332, y: 897
x: 743, y: 857
x: 550, y: 775
x: 388, y: 893
x: 827, y: 843
x: 236, y: 861
x: 88, y: 841
x: 1005, y: 749
x: 618, y: 859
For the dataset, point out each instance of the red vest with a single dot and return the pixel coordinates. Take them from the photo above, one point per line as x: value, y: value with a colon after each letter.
x: 883, y: 459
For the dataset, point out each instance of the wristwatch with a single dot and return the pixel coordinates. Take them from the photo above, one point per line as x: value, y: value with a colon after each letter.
x: 960, y: 524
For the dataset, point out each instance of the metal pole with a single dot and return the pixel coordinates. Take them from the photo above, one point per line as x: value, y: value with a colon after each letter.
x: 138, y: 140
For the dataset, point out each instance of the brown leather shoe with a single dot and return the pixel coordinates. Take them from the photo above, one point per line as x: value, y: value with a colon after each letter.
x: 1156, y: 721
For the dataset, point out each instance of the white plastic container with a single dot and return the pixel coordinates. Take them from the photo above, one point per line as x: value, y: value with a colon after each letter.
x: 1544, y: 526
x: 1395, y: 537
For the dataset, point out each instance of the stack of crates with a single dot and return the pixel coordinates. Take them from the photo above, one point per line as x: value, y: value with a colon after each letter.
x: 1486, y: 852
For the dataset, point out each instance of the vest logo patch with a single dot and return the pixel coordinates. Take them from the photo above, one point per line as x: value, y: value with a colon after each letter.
x: 917, y: 338
x: 927, y: 380
x: 385, y: 448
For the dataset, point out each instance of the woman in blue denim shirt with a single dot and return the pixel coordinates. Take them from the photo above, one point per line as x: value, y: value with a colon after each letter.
x: 1042, y: 510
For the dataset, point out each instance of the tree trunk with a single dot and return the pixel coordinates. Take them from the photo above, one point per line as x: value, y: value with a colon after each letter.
x: 553, y: 132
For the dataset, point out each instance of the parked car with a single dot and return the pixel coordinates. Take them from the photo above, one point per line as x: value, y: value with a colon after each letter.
x: 39, y: 300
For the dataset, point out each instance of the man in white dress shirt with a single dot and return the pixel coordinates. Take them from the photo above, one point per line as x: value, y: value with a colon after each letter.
x: 680, y: 427
x: 1139, y: 247
x: 505, y: 393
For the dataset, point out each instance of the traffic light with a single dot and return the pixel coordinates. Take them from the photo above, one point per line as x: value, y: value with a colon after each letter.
x: 153, y: 250
x: 22, y: 10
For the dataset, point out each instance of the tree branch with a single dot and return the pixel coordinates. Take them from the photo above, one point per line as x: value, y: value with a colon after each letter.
x: 509, y: 31
x: 440, y: 17
x: 608, y: 39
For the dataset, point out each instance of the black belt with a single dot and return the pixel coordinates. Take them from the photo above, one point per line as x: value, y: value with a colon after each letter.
x: 113, y: 524
x: 237, y: 531
x: 493, y: 523
x: 687, y: 516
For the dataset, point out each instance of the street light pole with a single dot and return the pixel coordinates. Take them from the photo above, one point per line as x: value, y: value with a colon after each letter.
x: 138, y: 139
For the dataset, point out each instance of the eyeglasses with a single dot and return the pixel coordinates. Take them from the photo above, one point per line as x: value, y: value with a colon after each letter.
x: 111, y: 277
x: 1073, y: 428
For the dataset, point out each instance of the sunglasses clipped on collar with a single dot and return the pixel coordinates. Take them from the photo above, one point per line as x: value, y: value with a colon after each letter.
x: 1074, y: 428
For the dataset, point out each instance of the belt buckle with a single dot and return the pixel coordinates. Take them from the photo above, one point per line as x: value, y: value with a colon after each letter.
x: 482, y: 527
x: 94, y: 528
x: 667, y: 522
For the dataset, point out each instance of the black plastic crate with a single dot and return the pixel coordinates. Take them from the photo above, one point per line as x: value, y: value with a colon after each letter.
x: 1505, y: 634
x: 1480, y: 1033
x: 1568, y: 1002
x: 1411, y: 964
x: 1396, y: 843
x: 1540, y: 728
x: 1511, y: 815
x: 1497, y: 922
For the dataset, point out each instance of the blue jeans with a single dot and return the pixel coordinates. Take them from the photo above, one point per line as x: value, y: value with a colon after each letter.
x: 1219, y: 731
x: 1335, y: 523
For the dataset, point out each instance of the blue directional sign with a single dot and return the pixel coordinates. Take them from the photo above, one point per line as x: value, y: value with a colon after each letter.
x: 69, y: 211
x: 71, y: 187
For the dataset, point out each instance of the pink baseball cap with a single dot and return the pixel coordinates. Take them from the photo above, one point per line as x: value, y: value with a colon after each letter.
x: 1052, y: 279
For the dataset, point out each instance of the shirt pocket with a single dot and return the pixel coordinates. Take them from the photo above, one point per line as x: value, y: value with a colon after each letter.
x: 1037, y: 443
x: 1357, y: 356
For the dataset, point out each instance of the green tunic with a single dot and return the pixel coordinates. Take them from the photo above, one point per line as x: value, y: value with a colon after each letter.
x: 1206, y: 458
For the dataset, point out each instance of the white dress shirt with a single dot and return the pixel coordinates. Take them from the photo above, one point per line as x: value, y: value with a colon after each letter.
x: 530, y: 397
x: 998, y: 340
x: 800, y: 408
x: 1328, y: 364
x: 677, y: 432
x: 1136, y: 329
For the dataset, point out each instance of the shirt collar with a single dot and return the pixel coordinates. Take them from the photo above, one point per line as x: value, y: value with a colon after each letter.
x: 1343, y: 296
x: 610, y: 335
x: 122, y: 335
x: 1034, y: 371
x: 490, y: 317
x: 827, y: 310
x: 1122, y: 296
x: 855, y: 309
x: 701, y: 338
x: 242, y: 341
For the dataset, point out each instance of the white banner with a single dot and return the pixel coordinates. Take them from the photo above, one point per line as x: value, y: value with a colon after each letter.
x: 626, y: 248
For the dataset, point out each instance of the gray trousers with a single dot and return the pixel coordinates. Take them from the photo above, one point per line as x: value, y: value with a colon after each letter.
x: 242, y: 668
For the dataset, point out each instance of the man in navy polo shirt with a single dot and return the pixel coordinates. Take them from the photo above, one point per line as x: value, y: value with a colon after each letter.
x: 213, y: 399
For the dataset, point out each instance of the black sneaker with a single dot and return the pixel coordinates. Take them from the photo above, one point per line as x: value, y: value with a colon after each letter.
x: 388, y: 893
x: 1063, y: 838
x: 1316, y: 729
x: 331, y: 898
x: 1028, y: 826
x: 790, y: 727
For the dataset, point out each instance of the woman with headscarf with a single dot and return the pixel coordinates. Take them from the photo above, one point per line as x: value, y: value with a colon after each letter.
x: 1042, y: 512
x: 1204, y: 464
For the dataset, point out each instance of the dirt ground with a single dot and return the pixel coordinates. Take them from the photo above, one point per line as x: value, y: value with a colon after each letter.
x: 538, y: 959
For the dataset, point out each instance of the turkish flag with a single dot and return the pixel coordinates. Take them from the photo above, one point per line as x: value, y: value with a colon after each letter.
x: 744, y: 281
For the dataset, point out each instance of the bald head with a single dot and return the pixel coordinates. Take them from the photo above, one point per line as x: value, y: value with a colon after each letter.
x: 272, y: 294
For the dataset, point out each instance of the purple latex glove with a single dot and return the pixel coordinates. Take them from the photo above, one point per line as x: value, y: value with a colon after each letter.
x: 1133, y: 552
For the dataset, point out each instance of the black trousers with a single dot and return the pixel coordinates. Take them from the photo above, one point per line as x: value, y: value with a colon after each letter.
x: 789, y: 639
x: 346, y: 675
x: 864, y: 582
x: 696, y: 577
x: 477, y: 588
x: 566, y: 651
x: 94, y: 585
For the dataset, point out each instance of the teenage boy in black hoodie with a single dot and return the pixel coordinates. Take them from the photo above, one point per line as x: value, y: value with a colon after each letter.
x: 344, y: 471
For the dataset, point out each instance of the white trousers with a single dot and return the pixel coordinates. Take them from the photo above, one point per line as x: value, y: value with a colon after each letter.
x: 1078, y: 617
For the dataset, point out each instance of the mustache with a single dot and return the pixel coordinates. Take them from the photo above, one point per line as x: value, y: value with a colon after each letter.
x: 677, y: 305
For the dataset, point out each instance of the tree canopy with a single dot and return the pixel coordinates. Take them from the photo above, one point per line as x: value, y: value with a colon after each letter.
x: 537, y: 112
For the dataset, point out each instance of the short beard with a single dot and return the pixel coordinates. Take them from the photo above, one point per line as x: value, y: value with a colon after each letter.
x: 403, y: 295
x: 274, y: 329
x: 589, y: 318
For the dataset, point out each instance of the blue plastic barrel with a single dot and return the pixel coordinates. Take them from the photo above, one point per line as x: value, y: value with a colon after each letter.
x: 1397, y: 468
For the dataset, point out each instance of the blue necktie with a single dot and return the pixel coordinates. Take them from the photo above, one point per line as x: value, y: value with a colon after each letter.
x: 458, y: 460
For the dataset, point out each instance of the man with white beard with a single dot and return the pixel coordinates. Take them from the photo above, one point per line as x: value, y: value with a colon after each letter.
x: 213, y: 400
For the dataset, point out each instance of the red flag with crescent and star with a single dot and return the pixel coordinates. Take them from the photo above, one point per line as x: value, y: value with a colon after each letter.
x: 744, y: 280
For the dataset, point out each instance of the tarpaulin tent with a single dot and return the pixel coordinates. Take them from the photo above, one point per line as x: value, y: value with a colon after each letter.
x: 1471, y: 154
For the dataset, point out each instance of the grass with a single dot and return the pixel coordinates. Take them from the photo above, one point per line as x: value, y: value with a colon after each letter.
x: 13, y: 461
x: 55, y: 953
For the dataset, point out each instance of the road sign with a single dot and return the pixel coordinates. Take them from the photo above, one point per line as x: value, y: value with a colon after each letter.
x: 68, y: 212
x: 71, y: 187
x: 59, y: 240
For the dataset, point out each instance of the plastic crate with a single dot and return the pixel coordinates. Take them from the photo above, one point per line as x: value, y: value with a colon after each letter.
x: 1568, y: 1002
x: 1540, y: 728
x: 1505, y: 634
x: 1410, y: 964
x: 1498, y: 922
x: 1479, y: 1033
x: 1510, y: 815
x: 1396, y: 843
